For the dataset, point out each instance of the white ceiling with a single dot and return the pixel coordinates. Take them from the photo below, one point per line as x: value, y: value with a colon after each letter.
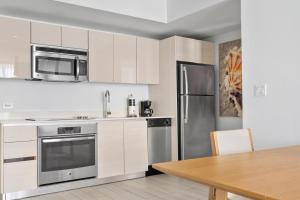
x: 193, y: 18
x: 155, y: 10
x: 179, y: 8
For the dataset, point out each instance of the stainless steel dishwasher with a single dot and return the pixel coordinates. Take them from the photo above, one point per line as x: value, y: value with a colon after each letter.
x: 159, y: 142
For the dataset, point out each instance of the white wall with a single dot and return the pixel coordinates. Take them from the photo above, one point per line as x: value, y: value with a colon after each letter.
x: 224, y: 123
x: 155, y: 10
x: 35, y: 96
x: 270, y: 42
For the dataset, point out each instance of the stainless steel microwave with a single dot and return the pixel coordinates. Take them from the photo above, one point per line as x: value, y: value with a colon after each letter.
x: 59, y: 64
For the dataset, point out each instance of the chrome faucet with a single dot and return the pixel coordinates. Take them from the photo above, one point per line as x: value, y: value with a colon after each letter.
x: 106, y: 108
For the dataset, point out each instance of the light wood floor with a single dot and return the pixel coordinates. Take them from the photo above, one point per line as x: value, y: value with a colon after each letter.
x: 159, y: 187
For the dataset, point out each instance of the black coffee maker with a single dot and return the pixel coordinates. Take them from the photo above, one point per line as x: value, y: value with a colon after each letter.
x: 145, y: 110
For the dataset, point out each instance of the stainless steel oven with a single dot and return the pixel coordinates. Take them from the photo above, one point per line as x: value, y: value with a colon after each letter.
x: 66, y: 152
x: 59, y: 64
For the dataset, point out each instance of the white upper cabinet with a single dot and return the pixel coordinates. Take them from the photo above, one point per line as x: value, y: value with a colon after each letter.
x: 206, y: 52
x: 191, y: 50
x: 113, y: 57
x: 124, y: 59
x: 56, y: 35
x: 74, y: 37
x: 47, y: 34
x: 15, y: 48
x: 101, y: 56
x: 135, y: 146
x: 147, y: 61
x: 186, y: 49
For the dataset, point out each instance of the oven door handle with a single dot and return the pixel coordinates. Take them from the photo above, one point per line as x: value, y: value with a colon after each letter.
x: 67, y: 139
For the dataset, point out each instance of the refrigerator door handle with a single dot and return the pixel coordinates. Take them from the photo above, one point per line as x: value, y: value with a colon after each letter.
x: 186, y: 113
x: 182, y: 122
x: 186, y: 86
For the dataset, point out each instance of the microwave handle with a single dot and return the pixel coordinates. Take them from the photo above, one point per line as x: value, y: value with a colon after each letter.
x: 77, y: 68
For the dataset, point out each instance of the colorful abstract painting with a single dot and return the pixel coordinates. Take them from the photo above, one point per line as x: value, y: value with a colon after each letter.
x: 230, y: 71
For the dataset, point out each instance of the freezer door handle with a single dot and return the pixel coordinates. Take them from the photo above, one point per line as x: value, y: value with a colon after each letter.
x: 186, y: 86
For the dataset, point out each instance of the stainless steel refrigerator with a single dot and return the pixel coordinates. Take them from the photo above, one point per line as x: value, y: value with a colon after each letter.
x: 196, y: 109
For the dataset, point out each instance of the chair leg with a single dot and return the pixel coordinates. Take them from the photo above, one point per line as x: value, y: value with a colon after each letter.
x: 220, y: 195
x: 212, y: 193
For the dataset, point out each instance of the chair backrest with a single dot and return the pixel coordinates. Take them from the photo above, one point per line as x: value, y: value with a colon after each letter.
x: 231, y: 141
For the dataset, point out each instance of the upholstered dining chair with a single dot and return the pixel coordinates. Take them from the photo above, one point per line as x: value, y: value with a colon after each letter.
x: 230, y: 142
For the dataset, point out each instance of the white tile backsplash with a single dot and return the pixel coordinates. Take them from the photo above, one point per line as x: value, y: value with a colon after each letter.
x: 40, y: 96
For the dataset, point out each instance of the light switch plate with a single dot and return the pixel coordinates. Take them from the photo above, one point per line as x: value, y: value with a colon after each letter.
x: 260, y: 90
x: 8, y: 105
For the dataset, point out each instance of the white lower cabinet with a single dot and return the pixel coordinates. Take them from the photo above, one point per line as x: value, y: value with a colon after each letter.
x: 122, y: 147
x: 110, y: 149
x: 20, y: 176
x: 135, y: 146
x: 122, y: 150
x: 19, y: 158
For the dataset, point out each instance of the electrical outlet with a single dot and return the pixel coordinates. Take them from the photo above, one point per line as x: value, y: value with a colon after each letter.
x: 260, y: 90
x: 7, y: 105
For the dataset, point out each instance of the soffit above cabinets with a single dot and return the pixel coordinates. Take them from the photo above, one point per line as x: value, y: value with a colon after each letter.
x: 196, y: 18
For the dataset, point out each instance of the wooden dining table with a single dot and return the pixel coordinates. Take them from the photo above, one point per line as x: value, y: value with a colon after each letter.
x: 266, y: 174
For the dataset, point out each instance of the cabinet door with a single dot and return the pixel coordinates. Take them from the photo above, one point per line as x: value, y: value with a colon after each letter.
x: 19, y: 149
x: 101, y: 57
x: 48, y: 34
x: 20, y: 176
x: 110, y: 149
x: 206, y: 50
x: 19, y: 133
x: 14, y: 48
x: 74, y: 37
x: 186, y: 49
x: 135, y: 146
x: 124, y: 59
x: 147, y: 61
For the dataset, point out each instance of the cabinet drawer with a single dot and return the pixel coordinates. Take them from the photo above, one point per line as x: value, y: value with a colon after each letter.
x: 20, y: 149
x: 19, y: 176
x: 19, y: 133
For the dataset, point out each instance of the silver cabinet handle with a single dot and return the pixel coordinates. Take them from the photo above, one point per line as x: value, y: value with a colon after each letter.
x: 77, y: 68
x: 22, y: 159
x: 67, y: 139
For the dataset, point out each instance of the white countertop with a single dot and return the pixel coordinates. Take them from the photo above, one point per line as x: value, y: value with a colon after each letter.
x: 17, y: 122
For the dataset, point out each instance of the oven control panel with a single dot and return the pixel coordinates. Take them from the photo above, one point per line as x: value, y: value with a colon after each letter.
x: 69, y: 130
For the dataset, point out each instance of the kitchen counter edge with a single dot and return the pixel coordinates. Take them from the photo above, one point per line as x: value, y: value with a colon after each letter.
x: 17, y: 122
